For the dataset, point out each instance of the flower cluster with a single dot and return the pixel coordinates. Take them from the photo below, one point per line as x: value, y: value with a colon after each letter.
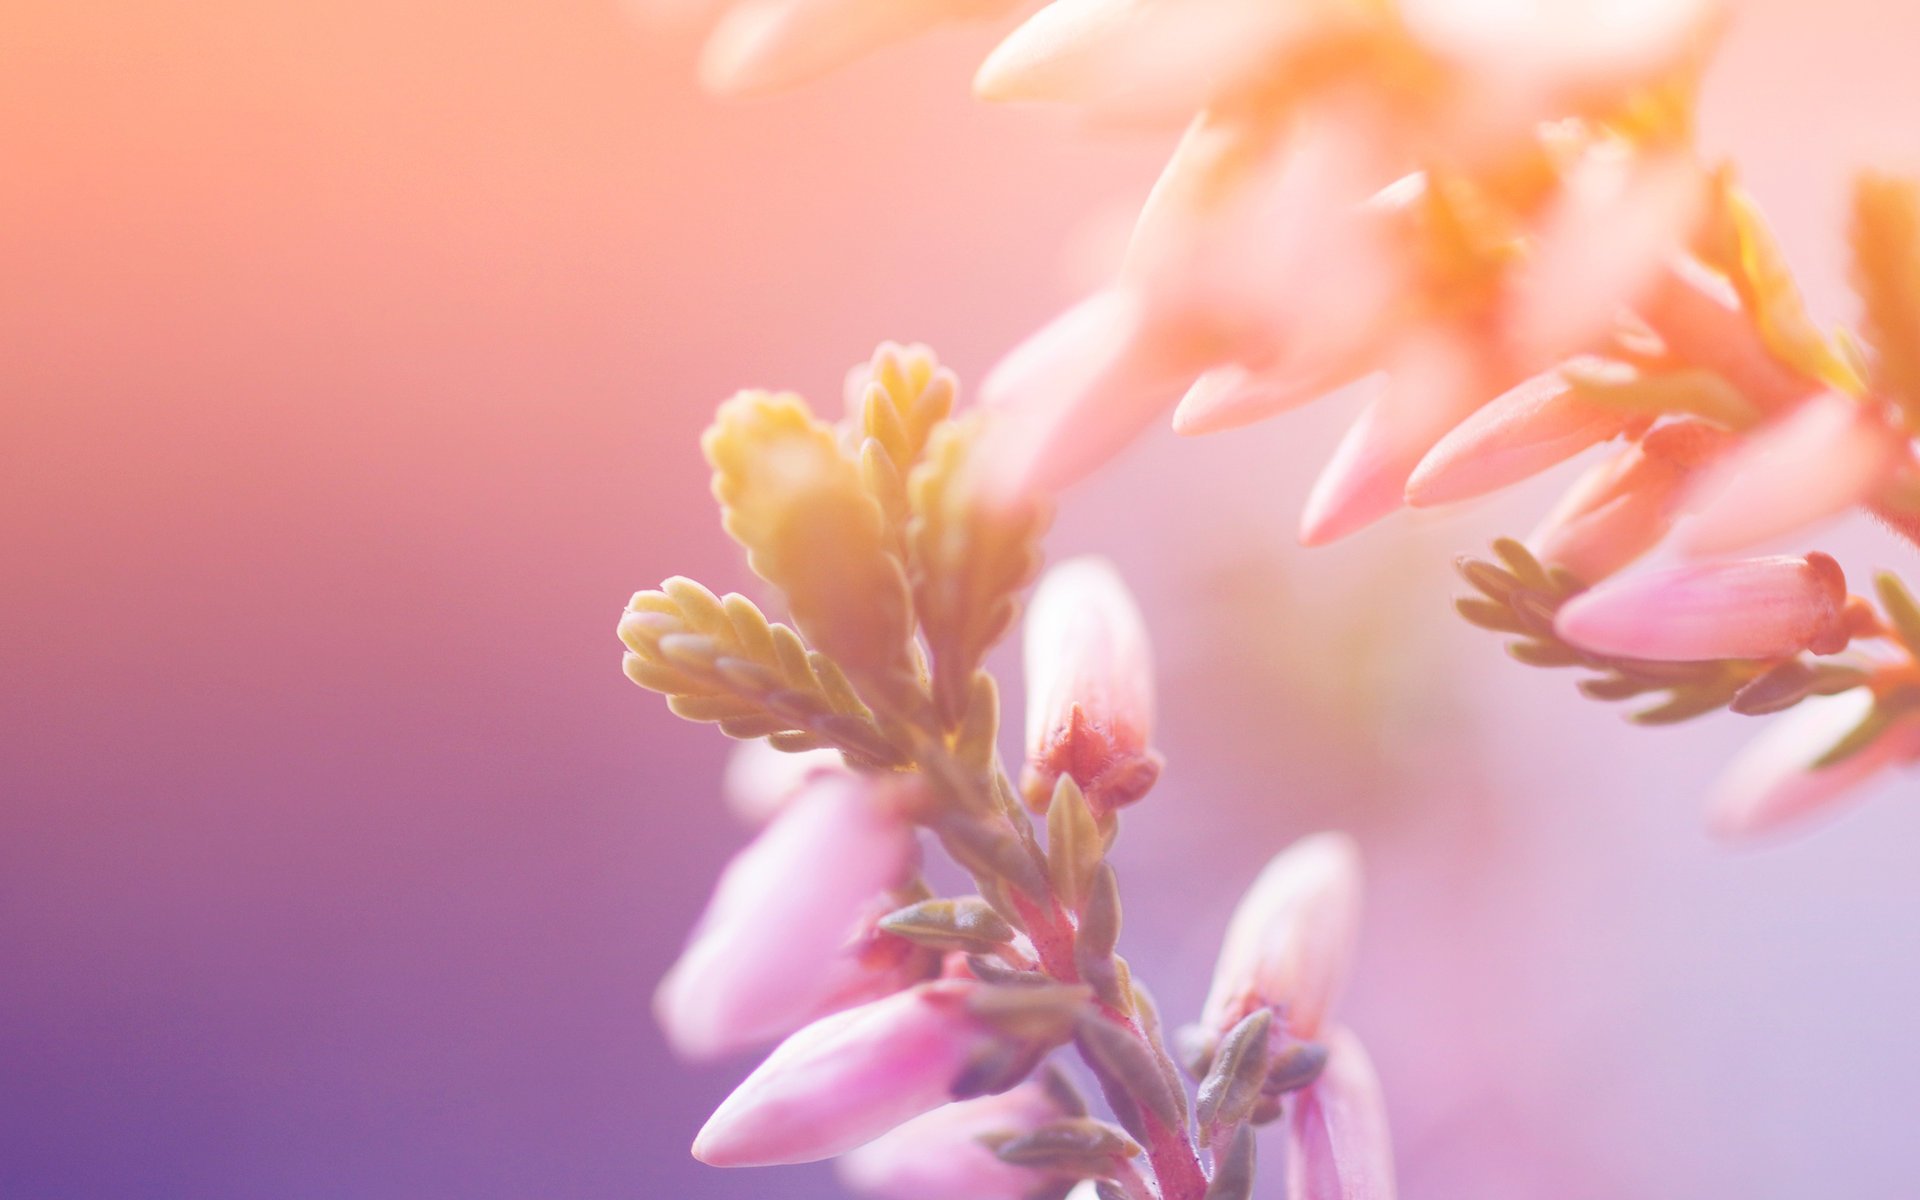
x: 1494, y: 212
x: 919, y: 1036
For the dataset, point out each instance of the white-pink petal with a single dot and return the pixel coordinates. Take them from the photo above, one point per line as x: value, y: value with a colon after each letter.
x: 781, y: 938
x: 1338, y: 1144
x: 1290, y: 942
x: 940, y: 1156
x: 1819, y: 460
x: 1773, y: 784
x: 848, y: 1078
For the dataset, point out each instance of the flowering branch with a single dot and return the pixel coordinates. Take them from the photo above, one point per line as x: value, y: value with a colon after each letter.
x: 917, y: 1027
x: 1501, y: 210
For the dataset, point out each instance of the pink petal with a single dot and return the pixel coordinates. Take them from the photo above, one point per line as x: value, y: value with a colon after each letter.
x: 939, y: 1156
x: 1621, y: 218
x: 1757, y: 608
x: 1772, y: 784
x: 1231, y: 396
x: 1291, y: 939
x: 1697, y: 315
x: 778, y: 941
x: 1338, y: 1146
x: 846, y: 1079
x: 767, y: 45
x: 759, y: 780
x: 1089, y: 687
x: 1624, y: 507
x: 1537, y: 425
x: 1824, y: 457
x: 1076, y: 393
x: 1434, y: 385
x: 1141, y: 59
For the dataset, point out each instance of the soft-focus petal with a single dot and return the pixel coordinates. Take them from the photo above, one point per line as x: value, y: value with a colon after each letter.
x: 1158, y: 59
x: 782, y: 938
x: 766, y: 45
x: 1754, y: 608
x: 759, y: 780
x: 848, y: 1078
x: 1434, y: 385
x: 940, y: 1156
x: 1773, y: 784
x: 1698, y: 316
x: 1291, y: 939
x: 1537, y: 425
x: 1338, y: 1146
x: 1089, y: 687
x: 1621, y: 217
x: 1231, y: 396
x: 1076, y: 393
x: 1824, y: 457
x: 1625, y: 506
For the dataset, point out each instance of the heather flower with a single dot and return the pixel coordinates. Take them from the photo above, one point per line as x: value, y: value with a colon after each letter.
x: 1089, y: 688
x: 1779, y: 781
x: 1338, y: 1146
x: 1756, y: 608
x: 945, y: 1154
x: 850, y: 1077
x: 1290, y: 941
x: 789, y: 933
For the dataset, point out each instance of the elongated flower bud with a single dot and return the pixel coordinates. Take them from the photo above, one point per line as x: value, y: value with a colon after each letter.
x: 1338, y: 1147
x: 1538, y: 425
x: 940, y: 1156
x: 1827, y: 455
x: 848, y: 1078
x: 1625, y: 506
x: 760, y: 780
x: 1756, y: 608
x: 789, y: 932
x: 1775, y: 783
x: 1089, y: 687
x: 1291, y: 939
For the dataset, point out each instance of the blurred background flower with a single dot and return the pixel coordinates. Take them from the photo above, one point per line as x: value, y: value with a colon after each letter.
x: 352, y: 359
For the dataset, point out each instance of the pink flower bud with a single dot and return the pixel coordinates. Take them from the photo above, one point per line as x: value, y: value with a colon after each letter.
x: 1231, y: 396
x: 789, y: 932
x: 1625, y: 506
x: 1827, y: 455
x: 1338, y: 1147
x: 1089, y: 687
x: 1291, y: 939
x: 1537, y: 425
x: 1773, y: 783
x: 1755, y: 608
x: 760, y: 780
x: 848, y: 1078
x: 940, y: 1156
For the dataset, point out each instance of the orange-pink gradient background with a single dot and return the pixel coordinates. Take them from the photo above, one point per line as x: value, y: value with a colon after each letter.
x: 352, y: 357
